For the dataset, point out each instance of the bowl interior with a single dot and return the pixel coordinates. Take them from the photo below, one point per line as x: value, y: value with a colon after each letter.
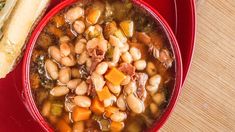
x: 174, y: 91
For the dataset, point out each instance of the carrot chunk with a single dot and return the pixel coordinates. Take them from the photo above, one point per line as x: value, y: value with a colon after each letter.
x: 110, y: 110
x: 116, y: 126
x: 80, y: 114
x: 63, y: 126
x: 127, y: 27
x: 97, y: 107
x: 115, y: 76
x: 104, y: 94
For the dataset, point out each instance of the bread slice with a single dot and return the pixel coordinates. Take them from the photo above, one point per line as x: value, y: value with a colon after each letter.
x: 16, y: 30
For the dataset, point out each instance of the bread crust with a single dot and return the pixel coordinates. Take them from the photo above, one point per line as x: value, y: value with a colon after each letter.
x: 17, y: 30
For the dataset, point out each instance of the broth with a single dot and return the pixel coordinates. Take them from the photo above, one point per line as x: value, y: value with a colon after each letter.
x: 102, y: 66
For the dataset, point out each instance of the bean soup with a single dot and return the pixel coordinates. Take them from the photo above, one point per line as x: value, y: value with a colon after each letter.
x: 102, y: 66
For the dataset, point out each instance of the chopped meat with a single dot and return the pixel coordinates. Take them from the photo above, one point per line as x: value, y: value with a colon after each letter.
x: 127, y: 69
x: 141, y: 79
x: 96, y: 49
x: 96, y: 43
x: 97, y: 57
x: 156, y: 40
x: 91, y: 89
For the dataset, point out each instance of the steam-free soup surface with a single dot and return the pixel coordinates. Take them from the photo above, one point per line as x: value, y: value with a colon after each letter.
x: 102, y: 66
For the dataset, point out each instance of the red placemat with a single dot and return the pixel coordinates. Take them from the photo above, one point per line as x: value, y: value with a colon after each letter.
x: 180, y: 15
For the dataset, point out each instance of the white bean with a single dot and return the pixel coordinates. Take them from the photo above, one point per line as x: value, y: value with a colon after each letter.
x: 68, y: 60
x: 79, y: 47
x: 64, y: 75
x: 155, y: 80
x: 140, y: 65
x: 159, y: 98
x: 52, y: 69
x: 54, y: 52
x: 111, y: 64
x: 81, y: 88
x: 153, y: 108
x: 64, y: 39
x: 83, y: 40
x: 79, y: 26
x: 110, y: 101
x: 116, y: 55
x: 152, y: 89
x: 116, y: 42
x: 151, y: 69
x: 126, y: 80
x: 74, y: 13
x: 65, y: 49
x: 135, y: 104
x: 135, y: 53
x: 102, y: 68
x: 126, y: 57
x: 82, y: 101
x: 121, y: 104
x: 98, y: 81
x: 118, y: 116
x: 130, y: 88
x: 114, y: 89
x: 59, y: 91
x: 72, y: 84
x: 82, y: 58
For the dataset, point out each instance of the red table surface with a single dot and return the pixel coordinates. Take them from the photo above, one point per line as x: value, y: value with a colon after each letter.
x: 180, y: 14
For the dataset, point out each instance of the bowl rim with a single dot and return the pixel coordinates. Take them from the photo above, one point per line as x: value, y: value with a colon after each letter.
x: 29, y: 101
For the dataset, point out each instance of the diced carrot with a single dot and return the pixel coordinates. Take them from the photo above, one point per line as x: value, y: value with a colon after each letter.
x: 110, y: 110
x: 62, y: 126
x: 115, y: 76
x: 127, y: 27
x: 97, y: 107
x: 104, y: 94
x: 116, y: 126
x: 80, y: 114
x: 93, y: 16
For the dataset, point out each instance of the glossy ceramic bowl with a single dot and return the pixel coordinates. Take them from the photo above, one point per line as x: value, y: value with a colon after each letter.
x: 29, y: 101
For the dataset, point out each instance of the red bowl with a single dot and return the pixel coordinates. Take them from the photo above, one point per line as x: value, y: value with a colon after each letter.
x: 29, y: 101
